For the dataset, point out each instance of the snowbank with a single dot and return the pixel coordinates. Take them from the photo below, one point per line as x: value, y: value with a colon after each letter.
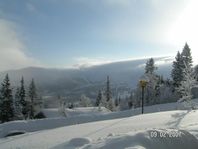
x: 76, y: 116
x: 74, y: 143
x: 80, y: 111
x: 164, y: 139
x: 108, y: 132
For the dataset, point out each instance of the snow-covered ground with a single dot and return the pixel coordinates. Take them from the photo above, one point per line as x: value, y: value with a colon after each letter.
x: 160, y: 130
x: 121, y: 133
x: 76, y: 116
x: 80, y: 111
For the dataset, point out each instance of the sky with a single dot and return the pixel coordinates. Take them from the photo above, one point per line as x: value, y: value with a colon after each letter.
x: 71, y: 33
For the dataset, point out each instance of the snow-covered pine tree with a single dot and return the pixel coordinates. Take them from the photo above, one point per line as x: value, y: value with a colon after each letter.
x: 22, y: 100
x: 150, y: 66
x: 85, y: 101
x: 177, y: 71
x: 99, y: 98
x: 108, y: 90
x: 6, y: 104
x: 17, y: 105
x: 62, y: 107
x: 103, y: 102
x: 186, y: 56
x: 111, y: 105
x: 151, y: 89
x: 109, y: 101
x: 153, y: 79
x: 157, y: 90
x: 185, y: 89
x: 32, y: 94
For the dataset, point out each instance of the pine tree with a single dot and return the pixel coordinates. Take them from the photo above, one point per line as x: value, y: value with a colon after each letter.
x: 185, y: 89
x: 157, y: 90
x: 33, y: 97
x: 6, y: 104
x: 111, y: 105
x: 150, y: 66
x: 99, y: 98
x: 186, y: 56
x: 152, y: 79
x: 109, y: 101
x: 22, y: 99
x: 17, y: 105
x: 108, y: 91
x: 177, y: 71
x: 85, y: 101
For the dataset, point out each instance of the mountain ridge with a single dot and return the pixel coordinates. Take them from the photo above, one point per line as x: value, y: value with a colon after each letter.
x: 87, y: 80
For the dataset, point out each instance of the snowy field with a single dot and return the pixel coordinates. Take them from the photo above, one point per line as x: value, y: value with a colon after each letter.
x: 160, y: 130
x: 76, y: 116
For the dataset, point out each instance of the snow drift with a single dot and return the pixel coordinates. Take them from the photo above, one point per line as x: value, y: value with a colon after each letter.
x: 165, y: 139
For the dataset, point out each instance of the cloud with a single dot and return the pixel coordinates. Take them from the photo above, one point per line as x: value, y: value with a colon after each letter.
x: 159, y: 61
x: 12, y: 50
x: 87, y: 62
x: 83, y: 62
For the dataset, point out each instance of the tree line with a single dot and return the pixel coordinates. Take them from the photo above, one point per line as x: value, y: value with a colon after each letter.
x: 21, y: 105
x: 184, y: 78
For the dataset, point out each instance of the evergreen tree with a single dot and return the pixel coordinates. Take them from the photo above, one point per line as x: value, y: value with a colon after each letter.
x: 152, y: 79
x: 17, y: 105
x: 85, y: 101
x: 33, y: 97
x: 109, y: 101
x: 150, y: 66
x: 185, y: 89
x: 186, y: 56
x: 22, y: 99
x: 157, y: 90
x: 108, y: 91
x: 99, y: 98
x: 6, y: 104
x: 177, y: 71
x: 111, y: 105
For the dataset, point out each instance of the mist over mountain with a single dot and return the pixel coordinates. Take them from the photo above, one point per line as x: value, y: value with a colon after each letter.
x: 124, y: 76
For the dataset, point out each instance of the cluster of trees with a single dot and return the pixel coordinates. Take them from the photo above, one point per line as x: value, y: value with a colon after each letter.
x: 20, y: 106
x: 105, y: 98
x: 25, y: 103
x: 158, y: 90
x: 184, y: 75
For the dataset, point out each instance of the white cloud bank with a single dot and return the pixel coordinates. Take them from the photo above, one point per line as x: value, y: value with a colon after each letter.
x: 12, y: 54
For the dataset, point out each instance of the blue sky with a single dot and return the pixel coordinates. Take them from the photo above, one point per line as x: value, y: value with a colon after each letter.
x: 66, y: 33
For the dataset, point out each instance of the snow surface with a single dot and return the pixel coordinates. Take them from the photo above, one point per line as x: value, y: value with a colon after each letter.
x: 80, y: 111
x: 76, y: 116
x: 144, y: 140
x: 106, y: 134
